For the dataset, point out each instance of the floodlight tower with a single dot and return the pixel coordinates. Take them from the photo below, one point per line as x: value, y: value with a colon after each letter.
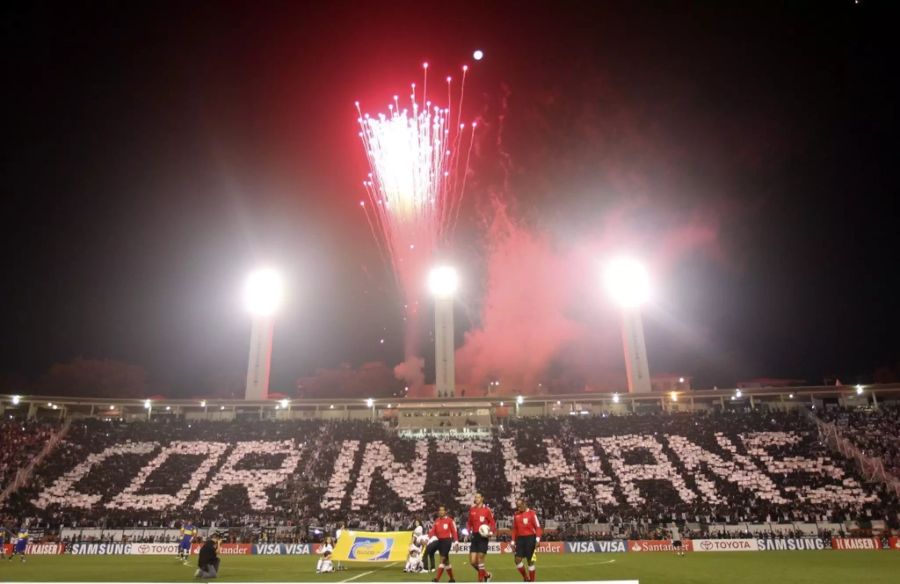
x: 263, y: 293
x: 628, y: 283
x: 443, y: 282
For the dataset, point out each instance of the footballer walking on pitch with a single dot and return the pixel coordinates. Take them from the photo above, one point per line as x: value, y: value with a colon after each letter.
x: 21, y: 544
x: 526, y: 534
x: 481, y: 526
x: 187, y: 533
x: 445, y: 531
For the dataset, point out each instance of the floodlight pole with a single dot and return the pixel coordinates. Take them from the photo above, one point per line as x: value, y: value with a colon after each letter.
x: 636, y: 366
x: 260, y: 361
x: 443, y: 346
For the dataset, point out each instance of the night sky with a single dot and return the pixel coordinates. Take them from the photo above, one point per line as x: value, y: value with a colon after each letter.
x: 155, y: 152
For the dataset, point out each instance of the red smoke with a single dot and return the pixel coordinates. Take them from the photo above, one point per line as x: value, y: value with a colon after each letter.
x: 524, y: 321
x: 544, y: 305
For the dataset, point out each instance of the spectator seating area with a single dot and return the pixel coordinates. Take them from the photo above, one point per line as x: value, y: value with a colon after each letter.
x: 20, y: 442
x: 622, y: 472
x: 875, y: 432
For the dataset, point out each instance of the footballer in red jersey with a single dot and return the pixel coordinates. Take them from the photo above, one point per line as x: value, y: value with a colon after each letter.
x: 526, y: 534
x: 445, y: 531
x: 480, y: 514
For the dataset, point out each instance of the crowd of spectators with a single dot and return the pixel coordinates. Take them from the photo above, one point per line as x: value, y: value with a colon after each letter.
x: 874, y: 431
x: 292, y: 481
x: 20, y: 442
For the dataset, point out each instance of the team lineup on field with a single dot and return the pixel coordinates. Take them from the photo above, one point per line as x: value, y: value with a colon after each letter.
x: 347, y: 546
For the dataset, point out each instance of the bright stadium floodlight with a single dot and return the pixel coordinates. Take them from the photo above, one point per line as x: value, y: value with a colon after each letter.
x: 738, y: 393
x: 370, y: 402
x: 520, y: 400
x: 147, y: 404
x: 16, y: 399
x: 263, y: 292
x: 263, y: 296
x: 284, y: 403
x: 443, y: 282
x: 628, y: 284
x: 615, y: 398
x: 859, y: 390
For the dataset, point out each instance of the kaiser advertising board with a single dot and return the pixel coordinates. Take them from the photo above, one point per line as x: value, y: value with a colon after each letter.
x: 44, y: 549
x: 37, y: 549
x: 855, y: 543
x: 725, y: 545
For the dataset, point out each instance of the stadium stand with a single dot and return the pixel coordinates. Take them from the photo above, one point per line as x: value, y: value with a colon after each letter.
x: 21, y: 441
x: 590, y: 477
x: 875, y: 432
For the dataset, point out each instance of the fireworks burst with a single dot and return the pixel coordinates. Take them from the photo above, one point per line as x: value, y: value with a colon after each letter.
x: 417, y: 174
x: 418, y: 156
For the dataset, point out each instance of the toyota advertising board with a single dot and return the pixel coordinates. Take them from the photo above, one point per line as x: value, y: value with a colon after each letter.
x: 726, y: 545
x: 154, y: 549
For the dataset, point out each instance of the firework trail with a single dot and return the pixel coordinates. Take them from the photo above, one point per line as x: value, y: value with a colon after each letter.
x: 418, y: 154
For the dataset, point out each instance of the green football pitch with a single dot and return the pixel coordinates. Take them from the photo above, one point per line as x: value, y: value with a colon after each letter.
x: 813, y: 567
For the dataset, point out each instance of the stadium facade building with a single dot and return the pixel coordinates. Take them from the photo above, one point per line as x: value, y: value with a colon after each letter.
x: 459, y: 413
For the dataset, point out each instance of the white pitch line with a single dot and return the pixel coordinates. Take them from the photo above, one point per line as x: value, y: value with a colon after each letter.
x: 359, y: 576
x: 369, y: 572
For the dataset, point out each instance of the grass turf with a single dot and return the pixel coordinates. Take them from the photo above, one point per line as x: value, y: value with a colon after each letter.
x: 813, y: 567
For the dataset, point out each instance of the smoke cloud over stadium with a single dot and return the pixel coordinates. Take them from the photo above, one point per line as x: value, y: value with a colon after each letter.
x: 543, y: 302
